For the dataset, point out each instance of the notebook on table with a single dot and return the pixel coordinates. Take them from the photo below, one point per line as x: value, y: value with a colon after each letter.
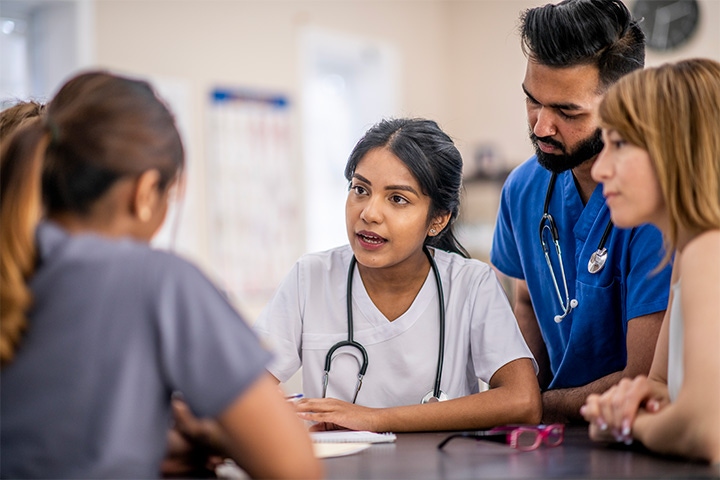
x: 352, y: 436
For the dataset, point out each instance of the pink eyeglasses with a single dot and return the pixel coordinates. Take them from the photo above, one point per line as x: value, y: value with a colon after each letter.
x: 520, y: 437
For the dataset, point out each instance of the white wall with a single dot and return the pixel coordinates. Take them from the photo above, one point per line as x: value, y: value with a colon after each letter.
x: 460, y: 62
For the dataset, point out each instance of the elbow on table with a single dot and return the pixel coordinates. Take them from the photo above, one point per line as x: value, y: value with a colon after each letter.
x: 681, y: 431
x: 527, y: 407
x: 708, y: 443
x: 534, y: 409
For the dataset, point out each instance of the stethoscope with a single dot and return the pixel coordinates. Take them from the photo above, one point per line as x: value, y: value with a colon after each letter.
x: 435, y: 394
x: 595, y: 264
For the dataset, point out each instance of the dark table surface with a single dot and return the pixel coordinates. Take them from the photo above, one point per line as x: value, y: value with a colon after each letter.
x: 415, y: 456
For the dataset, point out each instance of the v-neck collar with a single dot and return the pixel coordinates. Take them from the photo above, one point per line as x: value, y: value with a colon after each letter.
x: 364, y: 307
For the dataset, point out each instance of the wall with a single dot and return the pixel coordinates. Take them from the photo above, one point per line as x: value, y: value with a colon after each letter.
x: 461, y: 62
x: 255, y: 44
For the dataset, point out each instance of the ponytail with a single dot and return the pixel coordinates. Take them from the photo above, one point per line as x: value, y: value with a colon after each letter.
x: 99, y: 127
x: 20, y: 211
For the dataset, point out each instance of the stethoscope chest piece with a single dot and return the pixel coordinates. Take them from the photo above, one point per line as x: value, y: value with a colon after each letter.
x: 431, y: 398
x: 597, y: 260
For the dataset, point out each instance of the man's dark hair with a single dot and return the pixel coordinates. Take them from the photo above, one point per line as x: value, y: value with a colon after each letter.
x: 584, y: 32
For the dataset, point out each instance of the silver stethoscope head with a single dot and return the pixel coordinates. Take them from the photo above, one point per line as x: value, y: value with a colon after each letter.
x: 431, y: 398
x: 597, y: 260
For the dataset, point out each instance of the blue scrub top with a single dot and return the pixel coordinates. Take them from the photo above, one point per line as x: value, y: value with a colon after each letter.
x: 590, y: 341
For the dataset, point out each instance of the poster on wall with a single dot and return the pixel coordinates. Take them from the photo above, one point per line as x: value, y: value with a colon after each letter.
x: 254, y: 198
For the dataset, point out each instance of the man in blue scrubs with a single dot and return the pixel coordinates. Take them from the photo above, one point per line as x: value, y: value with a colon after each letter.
x: 589, y: 324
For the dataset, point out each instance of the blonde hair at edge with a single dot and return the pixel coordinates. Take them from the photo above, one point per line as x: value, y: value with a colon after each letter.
x: 19, y: 115
x: 673, y: 112
x: 17, y: 254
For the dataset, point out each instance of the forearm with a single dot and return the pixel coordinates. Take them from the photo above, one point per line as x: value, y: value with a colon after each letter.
x: 478, y: 411
x: 527, y: 321
x: 563, y: 405
x: 680, y: 430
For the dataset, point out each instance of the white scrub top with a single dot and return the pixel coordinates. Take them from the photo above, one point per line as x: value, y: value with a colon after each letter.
x: 308, y: 315
x: 676, y: 347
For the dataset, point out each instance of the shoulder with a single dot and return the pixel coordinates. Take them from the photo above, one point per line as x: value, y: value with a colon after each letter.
x: 530, y: 168
x: 700, y: 253
x: 529, y: 179
x: 460, y: 269
x: 326, y: 261
x: 706, y: 242
x: 644, y: 232
x: 129, y: 260
x: 323, y: 267
x: 642, y: 242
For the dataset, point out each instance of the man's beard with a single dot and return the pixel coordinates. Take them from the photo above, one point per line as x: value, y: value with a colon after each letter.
x: 587, y: 149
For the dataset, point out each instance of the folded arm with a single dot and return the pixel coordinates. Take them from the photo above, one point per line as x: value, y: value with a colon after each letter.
x: 689, y: 425
x: 513, y: 397
x: 562, y: 405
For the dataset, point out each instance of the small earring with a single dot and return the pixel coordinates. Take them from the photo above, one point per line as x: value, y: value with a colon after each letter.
x: 432, y: 230
x: 144, y: 214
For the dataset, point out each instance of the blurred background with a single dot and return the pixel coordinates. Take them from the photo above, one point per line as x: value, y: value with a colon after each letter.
x: 271, y: 95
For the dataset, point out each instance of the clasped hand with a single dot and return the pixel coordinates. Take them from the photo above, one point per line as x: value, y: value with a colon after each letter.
x: 612, y: 414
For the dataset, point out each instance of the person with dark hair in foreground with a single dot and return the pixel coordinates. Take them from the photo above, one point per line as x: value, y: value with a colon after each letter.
x: 97, y: 330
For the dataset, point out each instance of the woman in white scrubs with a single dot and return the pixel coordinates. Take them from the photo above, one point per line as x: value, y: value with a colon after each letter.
x: 403, y: 198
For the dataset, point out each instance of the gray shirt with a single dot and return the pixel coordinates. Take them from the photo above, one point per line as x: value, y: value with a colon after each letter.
x: 115, y: 328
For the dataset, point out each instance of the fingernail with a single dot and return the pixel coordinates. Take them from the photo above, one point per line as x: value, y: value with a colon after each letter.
x: 601, y: 424
x: 626, y: 428
x: 628, y: 441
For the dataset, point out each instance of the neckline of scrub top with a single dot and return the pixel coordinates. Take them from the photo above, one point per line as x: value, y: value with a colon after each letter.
x: 381, y: 329
x: 587, y: 214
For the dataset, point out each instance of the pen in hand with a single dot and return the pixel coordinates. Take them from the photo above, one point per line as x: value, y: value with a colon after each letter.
x: 293, y: 396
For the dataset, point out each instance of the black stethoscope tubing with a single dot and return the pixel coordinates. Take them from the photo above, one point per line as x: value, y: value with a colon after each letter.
x: 597, y: 259
x: 350, y: 342
x: 553, y: 228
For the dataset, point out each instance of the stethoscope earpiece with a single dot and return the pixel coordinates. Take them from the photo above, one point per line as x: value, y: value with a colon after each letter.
x: 559, y: 318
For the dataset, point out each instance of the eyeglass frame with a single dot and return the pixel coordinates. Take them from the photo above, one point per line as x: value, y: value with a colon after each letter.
x: 512, y: 433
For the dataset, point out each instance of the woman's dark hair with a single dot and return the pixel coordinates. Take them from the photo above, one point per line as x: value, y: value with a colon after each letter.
x: 432, y: 158
x: 98, y: 128
x: 103, y: 127
x: 584, y: 32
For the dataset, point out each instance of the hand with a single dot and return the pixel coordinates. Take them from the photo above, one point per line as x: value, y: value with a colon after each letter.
x: 333, y: 414
x: 194, y: 445
x: 185, y: 460
x: 612, y: 414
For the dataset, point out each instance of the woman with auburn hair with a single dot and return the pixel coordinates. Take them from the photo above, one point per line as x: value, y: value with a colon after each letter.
x: 97, y: 330
x: 661, y: 165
